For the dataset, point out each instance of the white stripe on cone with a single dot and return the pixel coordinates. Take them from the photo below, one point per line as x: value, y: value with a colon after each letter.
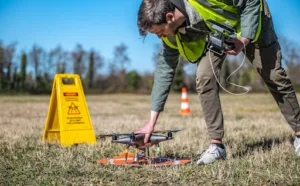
x: 184, y: 105
x: 184, y: 95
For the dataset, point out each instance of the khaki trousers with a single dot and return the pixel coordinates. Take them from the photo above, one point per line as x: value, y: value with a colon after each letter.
x: 267, y: 62
x: 265, y: 56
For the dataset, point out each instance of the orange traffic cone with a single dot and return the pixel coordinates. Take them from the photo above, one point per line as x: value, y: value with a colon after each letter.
x: 185, y: 108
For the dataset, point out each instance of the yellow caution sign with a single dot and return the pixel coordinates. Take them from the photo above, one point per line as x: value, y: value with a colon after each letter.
x: 68, y: 121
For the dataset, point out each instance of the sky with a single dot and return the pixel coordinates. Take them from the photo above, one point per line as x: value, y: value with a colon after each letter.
x: 101, y: 25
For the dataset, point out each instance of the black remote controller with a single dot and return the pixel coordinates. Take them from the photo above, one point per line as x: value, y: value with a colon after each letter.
x: 228, y: 46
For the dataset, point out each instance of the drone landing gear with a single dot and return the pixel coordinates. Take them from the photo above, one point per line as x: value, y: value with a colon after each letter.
x: 126, y: 153
x: 136, y: 155
x: 148, y: 152
x: 158, y: 151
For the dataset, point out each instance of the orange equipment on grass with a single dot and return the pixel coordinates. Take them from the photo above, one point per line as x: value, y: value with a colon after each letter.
x: 185, y: 108
x: 122, y: 160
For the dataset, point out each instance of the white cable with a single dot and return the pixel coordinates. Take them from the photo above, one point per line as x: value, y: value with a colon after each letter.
x: 245, y: 88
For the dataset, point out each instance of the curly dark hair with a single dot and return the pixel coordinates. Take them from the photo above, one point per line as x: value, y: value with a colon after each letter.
x: 153, y: 12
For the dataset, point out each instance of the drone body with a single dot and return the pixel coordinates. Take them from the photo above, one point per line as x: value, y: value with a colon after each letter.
x: 137, y: 141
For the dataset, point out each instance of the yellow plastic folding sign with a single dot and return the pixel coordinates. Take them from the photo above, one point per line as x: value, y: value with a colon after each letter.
x: 68, y: 121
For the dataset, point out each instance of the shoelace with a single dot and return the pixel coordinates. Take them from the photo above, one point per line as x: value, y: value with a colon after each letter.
x: 210, y: 150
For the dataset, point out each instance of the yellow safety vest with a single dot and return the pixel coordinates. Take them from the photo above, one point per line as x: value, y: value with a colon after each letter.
x: 192, y: 51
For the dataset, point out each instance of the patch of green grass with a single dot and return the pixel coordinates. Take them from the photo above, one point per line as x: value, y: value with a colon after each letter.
x: 259, y: 145
x: 239, y: 117
x: 29, y: 162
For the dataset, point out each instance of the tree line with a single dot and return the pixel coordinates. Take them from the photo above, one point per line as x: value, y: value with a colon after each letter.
x: 33, y: 72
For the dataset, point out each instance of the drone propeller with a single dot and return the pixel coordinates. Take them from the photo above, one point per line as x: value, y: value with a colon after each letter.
x: 101, y: 136
x: 110, y: 135
x: 166, y: 131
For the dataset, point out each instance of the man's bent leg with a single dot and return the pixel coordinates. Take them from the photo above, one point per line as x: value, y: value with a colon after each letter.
x: 280, y: 85
x: 208, y: 91
x: 266, y: 57
x: 268, y: 63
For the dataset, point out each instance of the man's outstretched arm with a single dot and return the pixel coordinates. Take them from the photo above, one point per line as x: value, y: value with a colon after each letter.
x: 163, y: 78
x: 164, y: 74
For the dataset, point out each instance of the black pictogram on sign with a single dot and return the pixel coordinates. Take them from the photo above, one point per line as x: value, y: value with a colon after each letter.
x: 73, y: 109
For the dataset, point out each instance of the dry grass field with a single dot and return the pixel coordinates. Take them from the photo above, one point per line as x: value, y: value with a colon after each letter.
x: 258, y: 141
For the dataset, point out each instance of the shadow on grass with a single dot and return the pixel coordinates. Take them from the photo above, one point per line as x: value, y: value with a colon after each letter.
x: 265, y: 144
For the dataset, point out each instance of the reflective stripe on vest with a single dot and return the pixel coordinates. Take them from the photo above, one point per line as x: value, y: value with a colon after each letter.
x: 214, y: 10
x: 214, y: 13
x: 225, y: 10
x: 260, y: 22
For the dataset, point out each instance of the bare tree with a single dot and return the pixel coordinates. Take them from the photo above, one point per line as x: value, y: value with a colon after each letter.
x: 2, y: 62
x: 58, y: 58
x: 291, y: 57
x: 78, y: 56
x: 36, y: 59
x: 121, y: 56
x: 113, y: 70
x: 9, y: 52
x: 96, y: 61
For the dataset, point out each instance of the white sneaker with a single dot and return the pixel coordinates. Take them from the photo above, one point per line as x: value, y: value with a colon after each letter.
x: 297, y: 146
x: 212, y: 154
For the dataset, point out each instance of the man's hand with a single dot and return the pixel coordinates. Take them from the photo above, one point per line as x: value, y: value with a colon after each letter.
x: 239, y: 45
x: 148, y: 128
